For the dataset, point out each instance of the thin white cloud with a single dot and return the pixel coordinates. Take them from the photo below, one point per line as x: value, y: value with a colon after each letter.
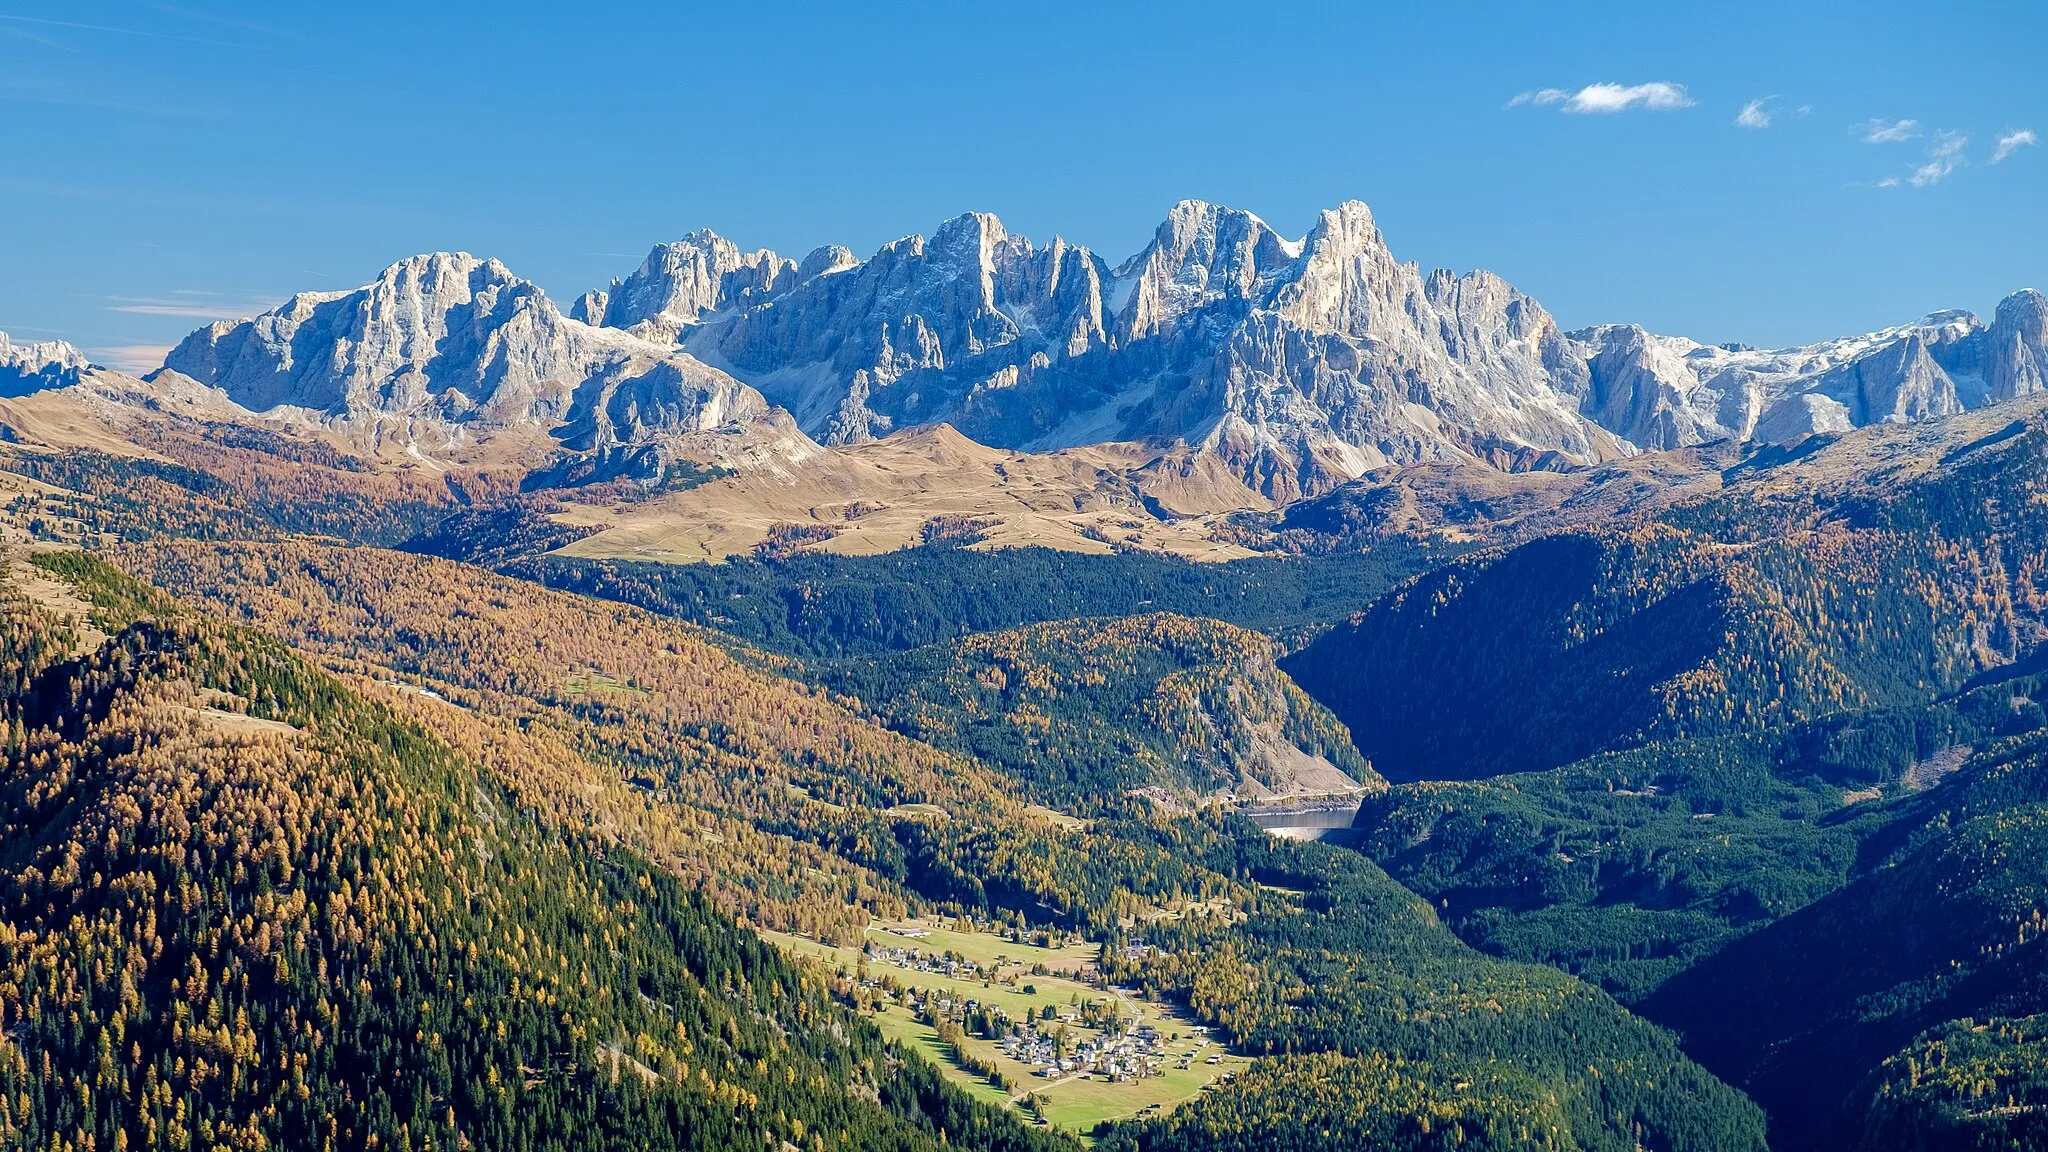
x: 1888, y: 182
x: 1943, y: 159
x: 190, y: 309
x: 74, y: 25
x: 1882, y: 131
x: 1756, y: 113
x: 223, y: 21
x: 1600, y: 99
x: 134, y: 359
x: 24, y: 34
x: 2011, y: 142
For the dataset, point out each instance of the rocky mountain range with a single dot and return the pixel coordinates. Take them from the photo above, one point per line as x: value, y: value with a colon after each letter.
x: 1294, y: 365
x: 446, y: 348
x: 33, y: 367
x: 1299, y: 362
x: 1668, y: 392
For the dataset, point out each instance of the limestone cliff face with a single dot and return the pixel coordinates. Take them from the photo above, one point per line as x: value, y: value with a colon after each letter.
x: 922, y: 331
x: 2016, y: 346
x: 1299, y: 362
x: 444, y: 348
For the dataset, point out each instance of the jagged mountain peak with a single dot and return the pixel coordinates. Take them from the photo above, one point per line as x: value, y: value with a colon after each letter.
x: 37, y: 353
x: 38, y: 365
x: 682, y: 281
x: 442, y: 272
x: 858, y: 348
x: 1201, y: 253
x: 970, y: 227
x: 1961, y: 318
x: 1348, y: 279
x: 2024, y: 302
x: 1678, y: 392
x: 1297, y: 358
x: 1350, y: 223
x: 1297, y: 363
x: 1191, y: 223
x: 387, y: 346
x: 445, y: 349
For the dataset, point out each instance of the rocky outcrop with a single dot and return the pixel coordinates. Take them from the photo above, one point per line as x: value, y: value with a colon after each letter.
x: 682, y: 282
x: 446, y: 348
x: 2016, y: 346
x: 39, y: 365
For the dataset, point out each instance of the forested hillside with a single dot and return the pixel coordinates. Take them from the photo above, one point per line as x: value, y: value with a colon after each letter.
x: 249, y: 905
x: 1495, y: 1054
x: 1088, y: 712
x: 1943, y: 923
x: 213, y: 481
x: 825, y: 605
x: 1809, y: 587
x: 1970, y: 1084
x: 708, y: 735
x: 1629, y: 866
x: 1798, y: 903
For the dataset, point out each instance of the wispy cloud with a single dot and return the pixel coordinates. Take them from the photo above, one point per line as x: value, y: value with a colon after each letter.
x: 21, y: 90
x: 111, y: 29
x: 1600, y: 99
x: 134, y: 359
x: 2011, y: 142
x: 222, y: 21
x: 1943, y: 159
x: 1882, y: 131
x: 31, y: 37
x: 1756, y: 113
x: 191, y: 307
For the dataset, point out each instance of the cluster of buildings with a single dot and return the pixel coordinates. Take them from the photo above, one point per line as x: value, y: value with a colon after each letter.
x: 914, y: 960
x: 1118, y: 1056
x: 1119, y: 1053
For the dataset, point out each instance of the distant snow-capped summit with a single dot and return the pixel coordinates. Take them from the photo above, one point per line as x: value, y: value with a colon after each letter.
x: 33, y: 367
x: 1669, y: 392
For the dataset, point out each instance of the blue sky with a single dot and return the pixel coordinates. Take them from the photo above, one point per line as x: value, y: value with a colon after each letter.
x: 164, y: 163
